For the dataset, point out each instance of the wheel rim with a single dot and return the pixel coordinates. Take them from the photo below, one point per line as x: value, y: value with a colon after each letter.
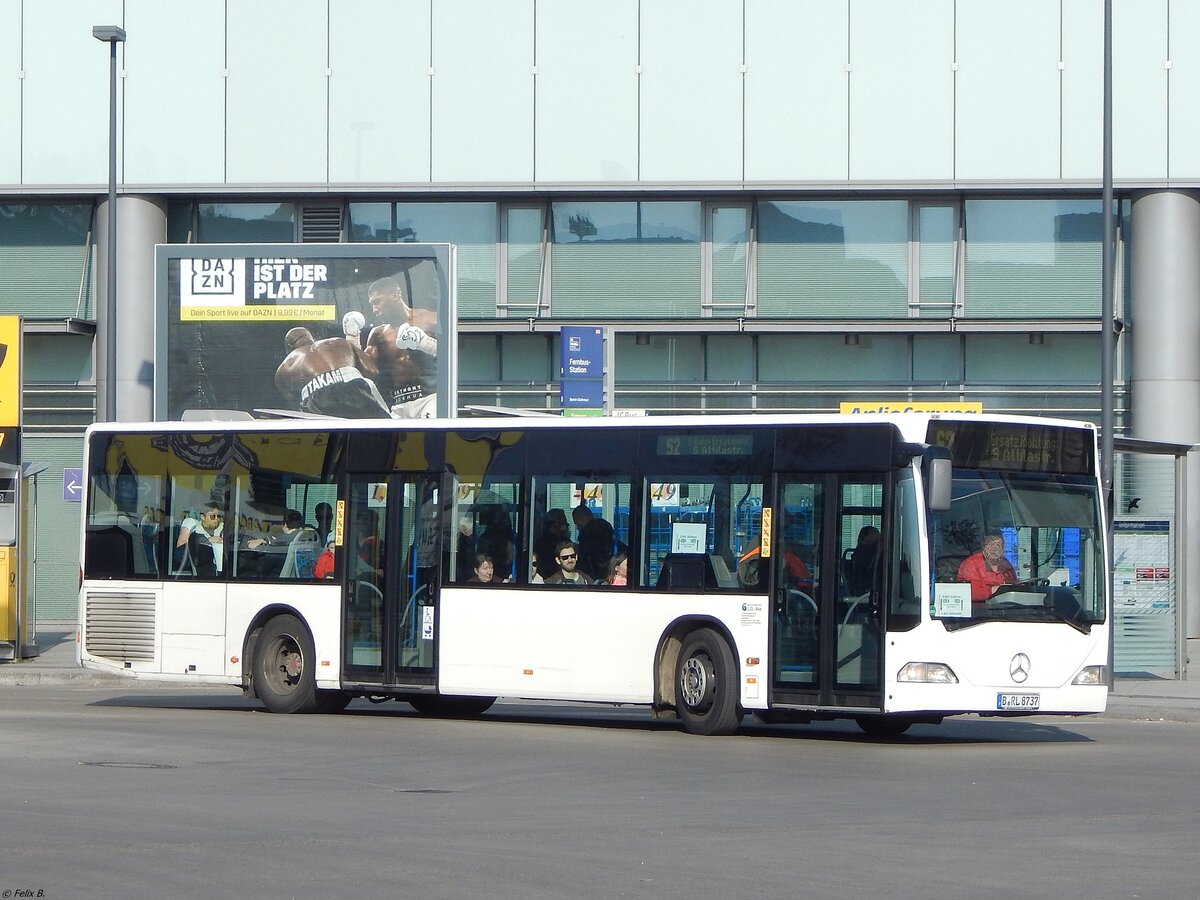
x: 286, y: 666
x: 696, y: 682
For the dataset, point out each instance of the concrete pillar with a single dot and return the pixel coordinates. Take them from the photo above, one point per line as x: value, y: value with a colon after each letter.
x: 141, y: 223
x: 1165, y: 346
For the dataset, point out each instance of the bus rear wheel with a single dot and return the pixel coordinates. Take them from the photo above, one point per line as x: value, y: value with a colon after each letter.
x: 706, y: 684
x: 284, y: 679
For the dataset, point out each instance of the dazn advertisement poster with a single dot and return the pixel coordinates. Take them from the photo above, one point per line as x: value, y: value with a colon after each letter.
x: 348, y: 330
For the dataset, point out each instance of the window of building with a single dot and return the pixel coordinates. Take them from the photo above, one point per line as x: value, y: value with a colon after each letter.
x: 522, y: 255
x: 833, y: 258
x: 246, y: 223
x: 935, y: 260
x: 44, y: 267
x: 1033, y: 258
x: 470, y: 226
x: 726, y: 260
x: 626, y: 259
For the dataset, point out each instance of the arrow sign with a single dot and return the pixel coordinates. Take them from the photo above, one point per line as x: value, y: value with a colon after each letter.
x: 73, y: 484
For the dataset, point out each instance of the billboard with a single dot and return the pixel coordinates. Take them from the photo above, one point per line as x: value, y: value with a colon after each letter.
x: 349, y: 330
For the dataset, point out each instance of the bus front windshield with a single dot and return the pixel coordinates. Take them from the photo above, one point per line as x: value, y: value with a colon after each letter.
x: 1022, y: 547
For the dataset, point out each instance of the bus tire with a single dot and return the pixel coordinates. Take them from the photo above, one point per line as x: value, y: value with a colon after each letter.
x: 283, y: 674
x: 883, y: 727
x: 450, y: 707
x: 706, y: 684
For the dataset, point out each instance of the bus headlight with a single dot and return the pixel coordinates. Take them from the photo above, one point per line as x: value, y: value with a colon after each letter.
x: 1092, y: 675
x: 927, y: 673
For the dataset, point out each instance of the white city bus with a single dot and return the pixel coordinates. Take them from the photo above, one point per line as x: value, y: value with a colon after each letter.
x: 335, y: 557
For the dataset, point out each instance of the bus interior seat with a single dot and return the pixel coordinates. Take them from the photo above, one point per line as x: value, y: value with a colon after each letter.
x: 301, y: 558
x: 110, y: 552
x: 686, y: 571
x: 196, y: 558
x: 726, y: 580
x: 946, y: 567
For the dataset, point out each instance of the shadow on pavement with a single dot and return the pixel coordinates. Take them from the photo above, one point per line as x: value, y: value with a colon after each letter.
x: 965, y: 730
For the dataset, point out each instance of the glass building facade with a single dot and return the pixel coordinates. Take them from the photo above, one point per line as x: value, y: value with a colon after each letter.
x: 755, y: 304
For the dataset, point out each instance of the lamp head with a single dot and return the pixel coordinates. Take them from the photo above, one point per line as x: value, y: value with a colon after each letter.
x: 114, y: 34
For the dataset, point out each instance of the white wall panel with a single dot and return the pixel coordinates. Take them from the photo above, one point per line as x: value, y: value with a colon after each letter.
x: 1007, y: 90
x: 482, y: 90
x: 1140, y: 88
x: 174, y: 123
x: 1184, y: 77
x: 1082, y: 88
x: 587, y: 91
x: 65, y: 135
x: 10, y: 92
x: 379, y: 91
x: 277, y: 121
x: 902, y: 89
x: 691, y: 90
x: 796, y: 90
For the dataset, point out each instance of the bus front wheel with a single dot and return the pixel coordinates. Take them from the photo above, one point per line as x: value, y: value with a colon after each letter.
x: 284, y: 679
x: 706, y: 684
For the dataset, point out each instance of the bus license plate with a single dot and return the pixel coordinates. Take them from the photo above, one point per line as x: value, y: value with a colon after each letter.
x: 1017, y: 701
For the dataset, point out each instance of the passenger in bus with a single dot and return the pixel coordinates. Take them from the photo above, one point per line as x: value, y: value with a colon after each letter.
x: 325, y: 569
x: 595, y: 539
x: 987, y: 569
x: 323, y: 513
x: 485, y: 571
x: 554, y: 531
x: 209, y: 528
x: 618, y: 570
x: 859, y: 566
x: 567, y: 555
x: 496, y: 539
x: 751, y: 575
x: 368, y: 560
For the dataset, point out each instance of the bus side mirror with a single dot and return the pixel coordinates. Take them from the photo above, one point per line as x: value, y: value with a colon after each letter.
x: 938, y: 475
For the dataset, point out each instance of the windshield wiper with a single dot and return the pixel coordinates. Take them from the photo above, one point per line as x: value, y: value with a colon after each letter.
x: 1083, y: 626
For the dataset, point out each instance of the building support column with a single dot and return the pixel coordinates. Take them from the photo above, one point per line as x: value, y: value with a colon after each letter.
x: 1164, y: 379
x: 141, y: 223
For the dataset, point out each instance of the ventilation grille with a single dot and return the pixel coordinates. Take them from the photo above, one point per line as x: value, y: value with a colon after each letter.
x: 120, y: 626
x: 321, y: 224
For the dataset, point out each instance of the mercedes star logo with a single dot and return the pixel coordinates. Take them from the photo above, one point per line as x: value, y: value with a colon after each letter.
x: 1018, y: 669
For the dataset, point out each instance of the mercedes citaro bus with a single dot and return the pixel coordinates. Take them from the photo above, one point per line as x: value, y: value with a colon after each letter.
x: 797, y: 568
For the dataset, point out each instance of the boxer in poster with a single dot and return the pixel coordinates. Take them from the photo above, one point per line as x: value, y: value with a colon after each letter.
x: 330, y: 377
x: 403, y: 350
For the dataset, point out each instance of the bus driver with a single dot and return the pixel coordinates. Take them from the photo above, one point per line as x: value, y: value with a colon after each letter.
x: 987, y: 569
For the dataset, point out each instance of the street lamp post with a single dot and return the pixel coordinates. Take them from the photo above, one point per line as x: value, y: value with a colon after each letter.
x: 1107, y: 335
x: 111, y: 35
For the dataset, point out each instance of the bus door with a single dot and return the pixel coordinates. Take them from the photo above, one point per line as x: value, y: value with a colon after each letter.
x: 392, y: 548
x: 826, y: 634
